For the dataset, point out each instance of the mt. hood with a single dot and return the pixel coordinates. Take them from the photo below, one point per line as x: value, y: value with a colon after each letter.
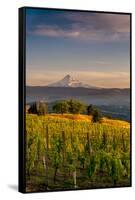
x: 68, y: 81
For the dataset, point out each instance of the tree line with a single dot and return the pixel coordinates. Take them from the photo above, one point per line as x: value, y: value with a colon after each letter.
x: 71, y: 106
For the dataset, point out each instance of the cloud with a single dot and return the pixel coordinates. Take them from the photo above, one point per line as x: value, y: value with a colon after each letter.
x: 102, y: 21
x: 85, y: 26
x: 54, y: 31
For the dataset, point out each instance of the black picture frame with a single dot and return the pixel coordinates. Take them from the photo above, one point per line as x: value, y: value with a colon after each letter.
x: 22, y: 95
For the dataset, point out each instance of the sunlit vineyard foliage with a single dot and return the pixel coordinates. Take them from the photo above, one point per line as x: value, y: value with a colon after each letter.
x: 64, y: 153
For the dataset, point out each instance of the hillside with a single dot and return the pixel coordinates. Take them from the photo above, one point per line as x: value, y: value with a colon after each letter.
x: 79, y: 153
x: 108, y: 96
x: 86, y: 118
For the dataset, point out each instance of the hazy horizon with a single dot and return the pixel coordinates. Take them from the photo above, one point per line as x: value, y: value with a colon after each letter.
x: 93, y: 48
x: 72, y: 77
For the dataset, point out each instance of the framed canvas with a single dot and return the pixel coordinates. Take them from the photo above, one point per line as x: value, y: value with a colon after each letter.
x: 74, y: 99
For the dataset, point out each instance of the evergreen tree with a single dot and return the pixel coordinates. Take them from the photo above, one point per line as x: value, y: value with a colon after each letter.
x: 39, y: 108
x: 96, y: 116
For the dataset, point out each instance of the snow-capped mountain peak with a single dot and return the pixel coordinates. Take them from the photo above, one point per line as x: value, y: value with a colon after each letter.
x: 69, y: 81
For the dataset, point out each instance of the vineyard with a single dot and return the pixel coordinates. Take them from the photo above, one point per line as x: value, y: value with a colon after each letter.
x: 67, y: 153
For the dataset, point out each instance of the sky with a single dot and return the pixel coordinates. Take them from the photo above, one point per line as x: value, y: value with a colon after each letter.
x: 92, y: 47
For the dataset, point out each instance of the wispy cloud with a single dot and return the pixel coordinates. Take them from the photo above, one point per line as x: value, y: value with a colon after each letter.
x: 86, y: 26
x: 54, y: 31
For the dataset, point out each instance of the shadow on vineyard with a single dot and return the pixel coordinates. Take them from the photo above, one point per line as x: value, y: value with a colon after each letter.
x: 66, y: 153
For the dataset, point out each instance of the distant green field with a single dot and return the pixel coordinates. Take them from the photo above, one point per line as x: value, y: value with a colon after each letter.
x: 69, y: 152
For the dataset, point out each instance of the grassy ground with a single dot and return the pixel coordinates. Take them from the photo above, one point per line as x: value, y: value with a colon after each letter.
x: 86, y: 118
